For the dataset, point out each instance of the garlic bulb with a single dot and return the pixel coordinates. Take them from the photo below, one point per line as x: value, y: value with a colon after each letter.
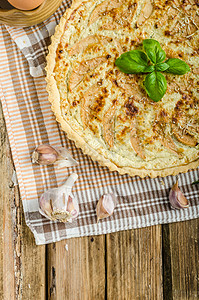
x: 58, y: 204
x: 176, y: 198
x: 106, y: 206
x: 47, y: 155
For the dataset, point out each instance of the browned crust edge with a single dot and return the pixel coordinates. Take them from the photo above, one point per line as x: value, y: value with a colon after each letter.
x: 54, y: 98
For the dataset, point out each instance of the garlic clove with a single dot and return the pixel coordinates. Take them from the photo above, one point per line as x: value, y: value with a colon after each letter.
x: 72, y: 207
x: 45, y: 206
x: 58, y: 204
x: 47, y: 155
x: 177, y: 198
x: 106, y: 206
x: 44, y: 155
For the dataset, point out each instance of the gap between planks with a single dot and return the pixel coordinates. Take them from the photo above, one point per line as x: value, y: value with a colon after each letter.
x: 118, y: 266
x: 181, y: 260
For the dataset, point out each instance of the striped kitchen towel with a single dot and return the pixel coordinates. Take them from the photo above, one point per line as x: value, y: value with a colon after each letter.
x: 30, y: 122
x: 34, y: 41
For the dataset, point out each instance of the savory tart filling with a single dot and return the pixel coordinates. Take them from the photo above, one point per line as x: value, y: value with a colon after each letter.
x: 108, y: 113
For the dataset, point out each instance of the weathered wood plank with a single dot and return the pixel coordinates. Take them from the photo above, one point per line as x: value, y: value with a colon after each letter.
x: 183, y: 257
x: 22, y: 263
x: 7, y: 282
x: 134, y: 264
x: 32, y: 266
x: 78, y: 273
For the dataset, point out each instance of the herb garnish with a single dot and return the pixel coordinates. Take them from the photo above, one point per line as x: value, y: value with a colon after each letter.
x: 152, y: 62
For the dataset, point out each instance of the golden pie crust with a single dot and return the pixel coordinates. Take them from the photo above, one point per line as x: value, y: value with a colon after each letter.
x: 108, y: 113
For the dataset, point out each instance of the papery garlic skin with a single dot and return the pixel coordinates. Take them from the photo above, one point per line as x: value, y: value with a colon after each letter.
x: 106, y: 206
x: 176, y: 198
x: 65, y: 159
x: 47, y: 155
x: 58, y: 204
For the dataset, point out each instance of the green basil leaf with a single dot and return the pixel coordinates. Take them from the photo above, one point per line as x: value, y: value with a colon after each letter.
x: 149, y: 69
x: 155, y: 85
x: 154, y: 51
x: 132, y: 62
x: 177, y: 66
x: 161, y: 67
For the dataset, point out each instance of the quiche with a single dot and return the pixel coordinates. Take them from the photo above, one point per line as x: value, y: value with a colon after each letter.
x: 108, y: 113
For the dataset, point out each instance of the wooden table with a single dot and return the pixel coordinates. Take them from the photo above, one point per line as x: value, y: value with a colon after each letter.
x: 158, y: 262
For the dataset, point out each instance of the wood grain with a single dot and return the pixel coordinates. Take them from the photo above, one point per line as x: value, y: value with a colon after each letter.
x: 22, y: 263
x: 32, y: 262
x: 7, y: 279
x: 78, y: 273
x: 182, y: 260
x: 134, y: 264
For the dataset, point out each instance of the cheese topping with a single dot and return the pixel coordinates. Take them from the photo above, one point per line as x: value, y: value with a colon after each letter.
x: 110, y: 110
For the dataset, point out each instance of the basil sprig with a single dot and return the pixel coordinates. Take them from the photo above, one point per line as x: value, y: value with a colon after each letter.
x: 151, y: 61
